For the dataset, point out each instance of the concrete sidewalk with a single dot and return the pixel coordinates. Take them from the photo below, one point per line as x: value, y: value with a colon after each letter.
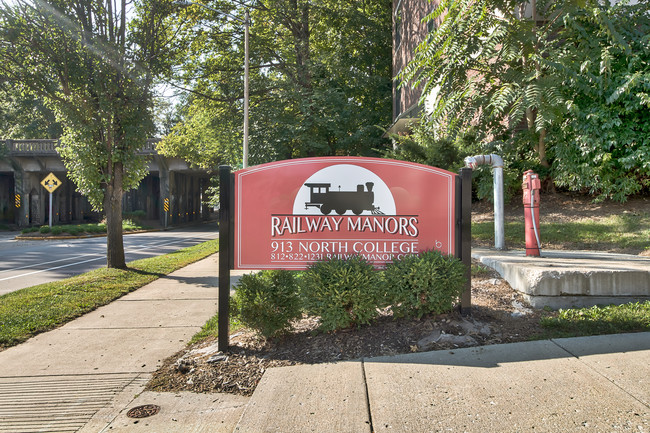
x: 86, y: 375
x: 88, y: 371
x: 589, y: 384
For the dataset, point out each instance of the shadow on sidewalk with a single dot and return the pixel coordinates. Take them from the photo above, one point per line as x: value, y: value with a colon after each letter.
x: 493, y: 356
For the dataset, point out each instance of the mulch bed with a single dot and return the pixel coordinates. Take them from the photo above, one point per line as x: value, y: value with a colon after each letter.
x: 498, y: 316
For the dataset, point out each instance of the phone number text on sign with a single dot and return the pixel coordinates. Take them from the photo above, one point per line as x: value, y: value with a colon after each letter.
x: 307, y: 251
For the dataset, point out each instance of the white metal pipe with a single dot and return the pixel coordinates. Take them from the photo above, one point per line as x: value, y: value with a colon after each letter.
x: 497, y: 181
x: 499, y: 229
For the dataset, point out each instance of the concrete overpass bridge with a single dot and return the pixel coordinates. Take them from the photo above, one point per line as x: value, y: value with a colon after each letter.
x: 25, y: 202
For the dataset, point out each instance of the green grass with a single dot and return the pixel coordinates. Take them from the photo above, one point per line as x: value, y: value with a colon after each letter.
x: 618, y: 232
x: 610, y: 319
x: 479, y: 270
x: 623, y: 232
x: 81, y: 229
x: 211, y: 328
x: 37, y: 309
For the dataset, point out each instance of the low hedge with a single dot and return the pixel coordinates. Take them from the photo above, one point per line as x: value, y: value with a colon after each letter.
x: 341, y: 292
x: 429, y: 283
x: 267, y: 302
x: 344, y: 293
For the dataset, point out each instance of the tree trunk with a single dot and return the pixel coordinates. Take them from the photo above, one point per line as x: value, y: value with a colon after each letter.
x: 113, y: 209
x: 541, y: 148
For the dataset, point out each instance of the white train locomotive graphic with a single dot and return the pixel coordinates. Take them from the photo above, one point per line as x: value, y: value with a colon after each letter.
x: 322, y: 197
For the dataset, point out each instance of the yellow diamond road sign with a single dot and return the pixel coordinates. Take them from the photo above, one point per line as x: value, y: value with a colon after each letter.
x: 51, y: 182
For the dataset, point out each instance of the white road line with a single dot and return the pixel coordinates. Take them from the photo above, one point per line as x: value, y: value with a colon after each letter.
x: 71, y: 258
x: 83, y: 261
x: 43, y: 263
x: 50, y: 269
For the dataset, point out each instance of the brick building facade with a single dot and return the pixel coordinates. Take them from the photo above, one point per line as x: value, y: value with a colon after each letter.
x: 408, y: 31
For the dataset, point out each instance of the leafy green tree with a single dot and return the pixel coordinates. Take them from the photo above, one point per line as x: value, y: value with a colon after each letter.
x: 422, y: 147
x: 23, y: 116
x: 604, y: 142
x: 547, y: 77
x: 488, y: 65
x: 93, y: 62
x: 320, y: 81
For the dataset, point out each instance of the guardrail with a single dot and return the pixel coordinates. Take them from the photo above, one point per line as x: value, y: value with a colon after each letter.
x: 43, y: 147
x: 34, y: 147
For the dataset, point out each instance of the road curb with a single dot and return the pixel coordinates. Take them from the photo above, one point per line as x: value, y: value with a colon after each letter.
x: 100, y: 235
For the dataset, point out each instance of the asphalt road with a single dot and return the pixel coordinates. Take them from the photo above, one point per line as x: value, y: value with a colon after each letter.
x: 28, y: 263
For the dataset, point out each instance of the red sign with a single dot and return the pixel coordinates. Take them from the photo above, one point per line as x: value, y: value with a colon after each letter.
x: 289, y: 214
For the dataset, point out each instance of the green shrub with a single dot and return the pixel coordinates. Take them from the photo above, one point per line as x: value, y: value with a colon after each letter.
x: 341, y: 292
x: 267, y: 302
x: 128, y: 224
x: 57, y: 230
x: 134, y: 215
x: 426, y: 283
x: 94, y: 228
x: 44, y: 229
x: 73, y: 231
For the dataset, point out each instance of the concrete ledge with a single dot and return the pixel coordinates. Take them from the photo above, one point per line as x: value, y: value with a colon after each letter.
x: 557, y: 302
x: 572, y: 278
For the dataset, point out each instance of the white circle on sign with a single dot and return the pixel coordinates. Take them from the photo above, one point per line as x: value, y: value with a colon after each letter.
x: 346, y: 184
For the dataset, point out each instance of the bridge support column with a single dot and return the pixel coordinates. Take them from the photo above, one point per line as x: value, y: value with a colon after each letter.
x: 163, y: 175
x: 178, y: 196
x: 22, y: 187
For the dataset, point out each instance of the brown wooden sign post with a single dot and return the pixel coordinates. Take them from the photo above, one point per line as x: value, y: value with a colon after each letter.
x: 290, y: 214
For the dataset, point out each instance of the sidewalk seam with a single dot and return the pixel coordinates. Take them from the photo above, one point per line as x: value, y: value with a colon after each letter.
x: 600, y: 374
x: 108, y: 425
x: 365, y: 385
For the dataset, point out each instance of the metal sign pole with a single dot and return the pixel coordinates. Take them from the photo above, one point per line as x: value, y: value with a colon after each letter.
x: 166, y: 209
x: 50, y: 209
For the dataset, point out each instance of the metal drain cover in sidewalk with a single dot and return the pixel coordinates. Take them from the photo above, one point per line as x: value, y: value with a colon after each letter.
x: 143, y: 411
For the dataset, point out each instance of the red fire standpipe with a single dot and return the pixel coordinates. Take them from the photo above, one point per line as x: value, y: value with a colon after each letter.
x: 531, y: 186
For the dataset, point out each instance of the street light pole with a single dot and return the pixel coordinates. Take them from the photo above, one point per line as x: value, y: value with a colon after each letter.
x: 246, y: 96
x: 246, y: 23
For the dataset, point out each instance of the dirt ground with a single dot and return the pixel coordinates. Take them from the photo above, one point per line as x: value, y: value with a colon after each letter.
x: 499, y: 315
x: 564, y: 207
